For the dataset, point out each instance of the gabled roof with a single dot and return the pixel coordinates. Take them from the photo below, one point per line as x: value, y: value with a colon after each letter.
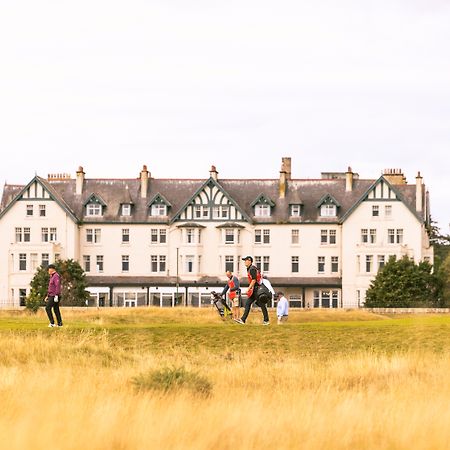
x: 211, y: 182
x: 180, y: 193
x: 263, y: 199
x: 18, y: 192
x: 94, y: 198
x: 327, y: 199
x: 159, y: 199
x: 401, y: 191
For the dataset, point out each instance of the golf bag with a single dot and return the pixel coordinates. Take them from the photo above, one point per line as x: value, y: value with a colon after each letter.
x: 221, y: 305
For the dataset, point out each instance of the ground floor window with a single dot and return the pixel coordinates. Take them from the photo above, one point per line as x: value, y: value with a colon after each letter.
x: 199, y: 299
x: 295, y: 301
x: 166, y: 299
x: 129, y: 299
x: 22, y: 296
x: 327, y: 298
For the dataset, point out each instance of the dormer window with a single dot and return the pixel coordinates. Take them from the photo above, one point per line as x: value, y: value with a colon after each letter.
x: 262, y: 210
x: 158, y: 206
x: 263, y: 206
x: 328, y: 210
x: 158, y: 210
x: 126, y: 209
x: 93, y: 209
x: 295, y: 210
x: 94, y: 206
x: 328, y: 206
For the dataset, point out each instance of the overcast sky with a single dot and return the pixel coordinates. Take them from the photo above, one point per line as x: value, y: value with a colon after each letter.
x: 180, y: 85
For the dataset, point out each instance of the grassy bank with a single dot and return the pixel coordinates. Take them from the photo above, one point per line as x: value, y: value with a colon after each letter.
x: 327, y: 379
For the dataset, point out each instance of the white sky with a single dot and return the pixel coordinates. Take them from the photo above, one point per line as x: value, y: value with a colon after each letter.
x: 180, y: 85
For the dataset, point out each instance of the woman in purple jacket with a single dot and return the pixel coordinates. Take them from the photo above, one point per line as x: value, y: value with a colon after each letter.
x: 53, y: 296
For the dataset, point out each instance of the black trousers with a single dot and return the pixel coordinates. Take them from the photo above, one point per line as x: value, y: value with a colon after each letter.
x: 55, y: 305
x: 248, y: 305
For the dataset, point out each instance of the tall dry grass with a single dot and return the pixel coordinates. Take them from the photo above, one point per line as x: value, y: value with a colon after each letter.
x: 76, y: 391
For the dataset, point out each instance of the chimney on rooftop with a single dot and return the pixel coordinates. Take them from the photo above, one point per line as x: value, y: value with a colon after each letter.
x: 286, y: 166
x: 144, y: 181
x: 79, y: 181
x: 394, y: 176
x: 419, y: 193
x: 349, y: 180
x: 213, y: 173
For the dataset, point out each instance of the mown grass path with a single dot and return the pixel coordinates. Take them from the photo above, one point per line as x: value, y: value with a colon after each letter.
x: 307, y: 332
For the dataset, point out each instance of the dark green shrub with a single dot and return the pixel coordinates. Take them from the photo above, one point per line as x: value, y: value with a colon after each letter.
x: 169, y: 380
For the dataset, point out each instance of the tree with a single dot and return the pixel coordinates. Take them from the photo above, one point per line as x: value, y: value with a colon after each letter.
x: 73, y: 285
x: 440, y: 243
x: 404, y: 284
x: 444, y: 276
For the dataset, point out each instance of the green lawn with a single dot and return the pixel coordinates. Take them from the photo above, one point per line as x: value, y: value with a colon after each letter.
x: 318, y: 333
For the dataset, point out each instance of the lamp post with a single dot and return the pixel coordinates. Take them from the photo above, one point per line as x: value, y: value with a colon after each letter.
x: 177, y: 283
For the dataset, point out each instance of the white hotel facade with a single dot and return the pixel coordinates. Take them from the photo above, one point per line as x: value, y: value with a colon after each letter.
x: 166, y: 242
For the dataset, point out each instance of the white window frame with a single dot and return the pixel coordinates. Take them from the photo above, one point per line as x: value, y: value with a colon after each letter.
x: 126, y: 209
x: 296, y: 210
x: 328, y: 210
x: 334, y: 264
x: 262, y: 210
x: 229, y: 236
x: 321, y: 264
x: 125, y: 263
x: 100, y: 263
x: 295, y: 260
x: 158, y: 209
x: 94, y: 210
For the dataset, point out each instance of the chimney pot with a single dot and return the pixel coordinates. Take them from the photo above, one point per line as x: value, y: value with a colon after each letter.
x: 79, y: 181
x: 349, y: 180
x: 144, y: 181
x: 213, y: 173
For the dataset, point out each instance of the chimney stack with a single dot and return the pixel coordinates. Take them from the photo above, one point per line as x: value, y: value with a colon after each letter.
x: 282, y: 184
x: 144, y: 181
x: 79, y: 181
x: 394, y: 176
x: 419, y: 193
x: 349, y: 180
x: 213, y: 173
x: 286, y: 167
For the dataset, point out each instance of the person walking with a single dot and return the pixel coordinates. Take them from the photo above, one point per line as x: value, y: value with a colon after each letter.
x: 282, y: 308
x: 268, y: 285
x: 255, y: 279
x: 233, y: 286
x: 53, y: 297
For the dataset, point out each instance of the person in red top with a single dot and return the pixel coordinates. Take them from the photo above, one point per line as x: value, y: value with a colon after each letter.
x: 255, y: 279
x: 234, y: 294
x: 53, y: 296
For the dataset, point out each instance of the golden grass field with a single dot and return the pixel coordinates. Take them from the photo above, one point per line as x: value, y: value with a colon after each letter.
x: 325, y: 380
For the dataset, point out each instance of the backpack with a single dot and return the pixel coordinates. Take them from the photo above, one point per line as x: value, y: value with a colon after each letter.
x: 263, y: 295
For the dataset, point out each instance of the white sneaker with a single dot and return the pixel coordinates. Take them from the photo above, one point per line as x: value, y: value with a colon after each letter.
x: 266, y: 323
x: 239, y: 321
x: 51, y: 325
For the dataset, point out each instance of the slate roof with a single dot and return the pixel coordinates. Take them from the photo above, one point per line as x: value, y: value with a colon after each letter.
x: 178, y: 192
